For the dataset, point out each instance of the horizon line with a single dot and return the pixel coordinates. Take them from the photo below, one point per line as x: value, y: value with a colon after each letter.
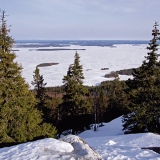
x: 81, y: 40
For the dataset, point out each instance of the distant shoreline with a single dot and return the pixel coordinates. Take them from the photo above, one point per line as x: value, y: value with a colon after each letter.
x: 55, y: 49
x: 67, y: 43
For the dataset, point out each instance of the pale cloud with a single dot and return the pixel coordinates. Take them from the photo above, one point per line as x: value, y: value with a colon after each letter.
x: 124, y: 10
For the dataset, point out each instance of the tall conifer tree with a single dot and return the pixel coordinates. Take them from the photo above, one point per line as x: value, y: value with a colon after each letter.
x: 20, y: 121
x: 74, y: 101
x: 144, y: 93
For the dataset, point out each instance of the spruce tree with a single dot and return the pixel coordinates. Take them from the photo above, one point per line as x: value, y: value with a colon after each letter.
x: 74, y: 101
x: 39, y: 88
x: 144, y: 93
x: 44, y: 101
x: 20, y: 121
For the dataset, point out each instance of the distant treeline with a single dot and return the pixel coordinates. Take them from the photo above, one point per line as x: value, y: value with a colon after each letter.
x: 127, y: 72
x: 46, y: 64
x: 56, y: 49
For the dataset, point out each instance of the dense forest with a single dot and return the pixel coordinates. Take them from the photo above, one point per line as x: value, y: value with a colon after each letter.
x: 27, y: 115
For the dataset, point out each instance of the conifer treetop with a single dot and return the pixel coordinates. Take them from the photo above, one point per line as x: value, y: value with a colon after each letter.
x: 6, y: 41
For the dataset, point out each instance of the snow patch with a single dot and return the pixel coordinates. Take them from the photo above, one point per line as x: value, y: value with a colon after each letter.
x: 45, y: 149
x: 110, y: 143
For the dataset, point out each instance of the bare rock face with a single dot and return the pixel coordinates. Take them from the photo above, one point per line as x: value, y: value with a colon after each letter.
x: 82, y: 151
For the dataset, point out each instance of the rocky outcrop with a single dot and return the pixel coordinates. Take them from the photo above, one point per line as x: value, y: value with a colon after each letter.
x: 82, y: 151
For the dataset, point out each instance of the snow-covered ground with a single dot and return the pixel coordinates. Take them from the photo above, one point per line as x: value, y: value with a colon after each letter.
x: 93, y: 59
x: 109, y: 141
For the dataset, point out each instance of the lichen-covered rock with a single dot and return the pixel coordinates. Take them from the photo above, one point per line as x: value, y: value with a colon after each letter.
x: 82, y: 151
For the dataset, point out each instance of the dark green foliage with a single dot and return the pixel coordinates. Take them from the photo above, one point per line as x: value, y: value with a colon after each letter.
x: 117, y: 99
x: 20, y: 121
x: 144, y: 93
x: 74, y: 101
x: 110, y: 100
x: 57, y: 89
x: 45, y: 103
x: 100, y: 103
x: 39, y: 88
x: 75, y: 97
x: 103, y: 98
x: 53, y: 109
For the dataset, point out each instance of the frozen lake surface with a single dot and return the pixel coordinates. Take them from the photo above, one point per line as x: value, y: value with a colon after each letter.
x: 93, y: 58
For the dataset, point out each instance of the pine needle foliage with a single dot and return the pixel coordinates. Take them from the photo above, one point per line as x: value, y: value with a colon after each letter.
x: 144, y: 92
x: 20, y: 121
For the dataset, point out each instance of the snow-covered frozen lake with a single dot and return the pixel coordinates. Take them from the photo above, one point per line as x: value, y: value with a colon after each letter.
x: 93, y: 58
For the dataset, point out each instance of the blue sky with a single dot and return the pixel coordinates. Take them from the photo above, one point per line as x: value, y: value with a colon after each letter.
x: 81, y: 19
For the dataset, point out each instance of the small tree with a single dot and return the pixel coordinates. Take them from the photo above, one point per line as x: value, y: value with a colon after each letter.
x: 144, y: 93
x: 39, y: 88
x: 20, y: 121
